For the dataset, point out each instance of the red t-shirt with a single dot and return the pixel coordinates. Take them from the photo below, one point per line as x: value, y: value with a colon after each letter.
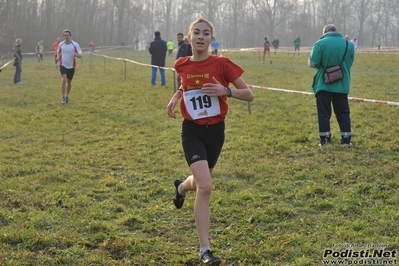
x: 54, y: 47
x: 193, y: 75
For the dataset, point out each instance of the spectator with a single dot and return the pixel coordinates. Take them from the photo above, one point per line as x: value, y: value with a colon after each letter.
x: 276, y: 44
x: 379, y: 43
x: 181, y: 52
x: 92, y: 47
x: 171, y: 47
x: 215, y: 47
x: 158, y: 49
x: 354, y: 42
x: 136, y: 42
x: 332, y: 49
x: 189, y: 48
x: 17, y: 61
x: 297, y: 46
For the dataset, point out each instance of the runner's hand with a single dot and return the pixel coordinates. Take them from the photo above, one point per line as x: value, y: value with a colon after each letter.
x: 215, y: 89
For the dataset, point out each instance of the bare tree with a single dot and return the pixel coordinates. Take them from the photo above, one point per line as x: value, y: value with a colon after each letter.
x: 239, y: 23
x: 7, y: 26
x: 121, y: 8
x: 232, y: 20
x: 362, y: 10
x: 393, y: 26
x: 380, y: 9
x: 300, y: 23
x: 272, y: 13
x: 345, y: 15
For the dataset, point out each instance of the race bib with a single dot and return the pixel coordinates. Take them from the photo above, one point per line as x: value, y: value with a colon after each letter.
x: 199, y: 105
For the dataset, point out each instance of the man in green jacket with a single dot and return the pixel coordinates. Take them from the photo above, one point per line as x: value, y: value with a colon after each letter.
x: 332, y: 49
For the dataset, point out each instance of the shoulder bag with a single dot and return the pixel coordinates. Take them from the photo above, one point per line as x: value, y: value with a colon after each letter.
x: 335, y: 72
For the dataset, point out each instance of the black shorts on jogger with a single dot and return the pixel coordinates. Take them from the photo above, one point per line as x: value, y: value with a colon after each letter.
x: 202, y: 142
x: 68, y: 72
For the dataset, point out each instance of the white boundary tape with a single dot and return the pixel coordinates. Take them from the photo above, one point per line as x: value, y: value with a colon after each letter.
x: 1, y: 68
x: 250, y: 86
x: 311, y: 93
x: 128, y: 60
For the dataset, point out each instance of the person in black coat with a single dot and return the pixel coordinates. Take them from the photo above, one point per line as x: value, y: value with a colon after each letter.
x: 158, y: 50
x: 181, y: 52
x: 189, y: 48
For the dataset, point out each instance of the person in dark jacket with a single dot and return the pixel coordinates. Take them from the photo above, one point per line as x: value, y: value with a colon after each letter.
x: 332, y: 49
x: 181, y: 52
x: 158, y: 50
x: 189, y: 48
x: 17, y: 62
x: 276, y: 44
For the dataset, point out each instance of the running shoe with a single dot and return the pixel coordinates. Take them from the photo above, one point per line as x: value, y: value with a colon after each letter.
x: 208, y: 259
x: 179, y: 199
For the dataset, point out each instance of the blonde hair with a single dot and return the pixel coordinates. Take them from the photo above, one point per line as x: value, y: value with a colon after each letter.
x: 198, y: 20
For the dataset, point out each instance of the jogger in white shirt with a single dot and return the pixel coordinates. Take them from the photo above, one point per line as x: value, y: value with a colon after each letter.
x: 66, y: 52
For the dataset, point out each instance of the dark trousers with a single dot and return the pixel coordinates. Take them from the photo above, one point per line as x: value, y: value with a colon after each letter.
x: 178, y: 82
x: 341, y: 109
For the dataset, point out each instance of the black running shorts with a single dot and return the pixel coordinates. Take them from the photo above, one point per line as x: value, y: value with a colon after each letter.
x: 69, y: 72
x: 202, y: 142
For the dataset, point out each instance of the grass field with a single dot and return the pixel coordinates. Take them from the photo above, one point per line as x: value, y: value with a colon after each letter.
x: 91, y: 182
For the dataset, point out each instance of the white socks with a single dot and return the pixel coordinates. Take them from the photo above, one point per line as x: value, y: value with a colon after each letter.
x: 179, y: 190
x: 204, y: 249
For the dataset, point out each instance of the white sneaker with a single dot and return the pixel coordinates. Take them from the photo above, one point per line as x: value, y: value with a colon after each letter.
x: 20, y: 83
